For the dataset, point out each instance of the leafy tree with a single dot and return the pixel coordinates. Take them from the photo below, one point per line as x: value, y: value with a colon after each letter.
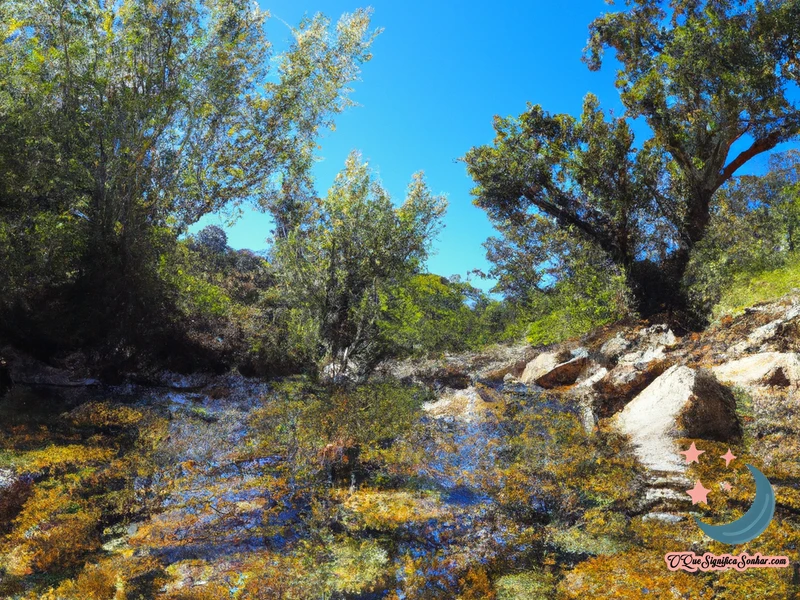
x: 753, y: 228
x: 356, y: 247
x: 703, y: 75
x: 126, y: 121
x: 212, y: 239
x: 434, y: 314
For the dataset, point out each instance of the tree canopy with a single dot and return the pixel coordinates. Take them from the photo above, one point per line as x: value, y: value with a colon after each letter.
x: 704, y: 76
x: 355, y: 247
x: 124, y: 122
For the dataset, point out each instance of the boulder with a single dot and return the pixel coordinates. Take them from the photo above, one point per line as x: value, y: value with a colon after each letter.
x: 623, y: 382
x: 657, y: 335
x: 764, y: 369
x: 551, y: 370
x: 542, y: 364
x: 23, y: 369
x: 680, y: 403
x: 614, y: 347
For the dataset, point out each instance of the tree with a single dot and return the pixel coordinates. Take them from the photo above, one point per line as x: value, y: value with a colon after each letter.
x: 753, y: 228
x: 124, y: 122
x: 353, y: 250
x: 433, y: 314
x: 703, y: 75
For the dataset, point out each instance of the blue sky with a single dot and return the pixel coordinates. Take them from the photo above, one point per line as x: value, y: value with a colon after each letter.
x: 440, y: 72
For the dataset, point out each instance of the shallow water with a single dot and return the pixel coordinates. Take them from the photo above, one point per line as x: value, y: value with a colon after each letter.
x: 209, y: 500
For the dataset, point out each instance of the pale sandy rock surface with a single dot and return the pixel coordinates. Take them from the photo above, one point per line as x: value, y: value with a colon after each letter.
x: 682, y: 402
x: 766, y: 368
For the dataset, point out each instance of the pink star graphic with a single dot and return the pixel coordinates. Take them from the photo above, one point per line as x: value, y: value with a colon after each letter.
x: 725, y: 486
x: 692, y: 454
x: 698, y: 493
x: 728, y: 457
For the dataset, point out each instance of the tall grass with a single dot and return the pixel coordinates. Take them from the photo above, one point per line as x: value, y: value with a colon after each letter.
x: 750, y: 288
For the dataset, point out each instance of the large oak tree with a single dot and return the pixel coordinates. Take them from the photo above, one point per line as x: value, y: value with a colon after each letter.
x: 715, y: 82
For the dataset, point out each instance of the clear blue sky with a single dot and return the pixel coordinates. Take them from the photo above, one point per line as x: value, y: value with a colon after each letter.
x: 440, y: 71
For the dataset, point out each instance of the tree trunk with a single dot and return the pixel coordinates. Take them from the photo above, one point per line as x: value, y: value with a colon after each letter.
x: 657, y: 287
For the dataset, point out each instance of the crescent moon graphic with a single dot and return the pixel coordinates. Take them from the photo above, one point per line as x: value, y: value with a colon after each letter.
x: 752, y: 523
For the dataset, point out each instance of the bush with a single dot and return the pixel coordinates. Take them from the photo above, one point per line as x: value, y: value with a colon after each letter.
x: 578, y: 304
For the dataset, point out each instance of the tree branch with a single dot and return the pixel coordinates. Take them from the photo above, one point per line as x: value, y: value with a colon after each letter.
x: 759, y: 146
x: 568, y: 217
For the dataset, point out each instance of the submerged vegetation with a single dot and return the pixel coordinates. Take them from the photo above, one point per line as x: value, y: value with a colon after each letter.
x: 292, y: 490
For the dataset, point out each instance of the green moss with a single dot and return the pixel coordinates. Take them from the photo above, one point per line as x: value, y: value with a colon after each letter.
x: 529, y: 585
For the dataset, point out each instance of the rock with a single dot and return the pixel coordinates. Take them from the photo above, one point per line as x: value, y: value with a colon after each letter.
x: 664, y: 517
x: 495, y: 375
x: 641, y: 358
x: 654, y: 496
x: 623, y: 382
x: 614, y: 348
x: 541, y: 365
x: 651, y: 344
x: 550, y: 370
x: 680, y: 403
x: 773, y: 334
x: 587, y: 398
x: 635, y: 370
x: 462, y: 405
x: 588, y: 415
x: 591, y: 378
x: 26, y: 370
x: 657, y: 335
x: 764, y: 369
x: 563, y: 374
x: 15, y: 489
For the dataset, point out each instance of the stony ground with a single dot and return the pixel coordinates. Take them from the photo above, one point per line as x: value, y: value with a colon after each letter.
x: 209, y: 518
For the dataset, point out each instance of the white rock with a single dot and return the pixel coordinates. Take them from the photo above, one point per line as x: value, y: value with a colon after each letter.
x: 541, y: 365
x: 546, y: 371
x: 614, y: 347
x: 765, y: 368
x: 680, y: 403
x: 662, y: 516
x: 657, y: 335
x: 593, y: 378
x: 641, y: 358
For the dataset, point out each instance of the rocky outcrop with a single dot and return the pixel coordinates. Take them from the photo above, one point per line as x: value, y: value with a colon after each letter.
x: 551, y: 369
x: 680, y: 403
x: 766, y: 337
x: 615, y: 347
x: 616, y: 388
x: 26, y: 370
x: 763, y: 369
x: 459, y: 371
x: 634, y: 370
